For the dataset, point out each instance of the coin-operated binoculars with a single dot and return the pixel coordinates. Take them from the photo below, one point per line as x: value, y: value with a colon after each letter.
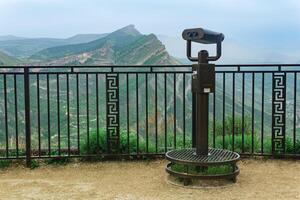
x: 200, y: 158
x: 203, y: 82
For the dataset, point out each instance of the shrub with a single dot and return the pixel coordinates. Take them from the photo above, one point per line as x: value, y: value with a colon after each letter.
x: 289, y: 146
x: 58, y: 161
x: 5, y: 163
x: 92, y: 147
x: 63, y: 160
x: 238, y: 126
x: 238, y: 143
x: 34, y: 164
x: 130, y: 144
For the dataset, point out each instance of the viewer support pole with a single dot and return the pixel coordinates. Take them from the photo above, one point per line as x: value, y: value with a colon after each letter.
x: 201, y: 109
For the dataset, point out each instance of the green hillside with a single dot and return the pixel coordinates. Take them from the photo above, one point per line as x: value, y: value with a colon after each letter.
x: 123, y: 47
x: 118, y: 39
x: 7, y: 60
x: 25, y: 47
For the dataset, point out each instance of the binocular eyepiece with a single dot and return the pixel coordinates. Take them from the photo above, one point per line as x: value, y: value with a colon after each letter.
x: 203, y: 36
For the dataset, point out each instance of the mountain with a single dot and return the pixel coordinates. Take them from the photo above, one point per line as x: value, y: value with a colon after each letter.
x: 10, y: 37
x: 7, y: 60
x: 122, y: 47
x: 25, y: 47
x: 83, y: 38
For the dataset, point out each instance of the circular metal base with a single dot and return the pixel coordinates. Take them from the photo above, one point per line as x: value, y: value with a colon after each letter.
x: 215, y: 157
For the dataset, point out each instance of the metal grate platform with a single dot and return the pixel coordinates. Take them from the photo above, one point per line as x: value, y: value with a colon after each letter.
x: 215, y: 157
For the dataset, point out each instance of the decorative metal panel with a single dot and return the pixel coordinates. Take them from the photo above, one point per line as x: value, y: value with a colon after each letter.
x: 112, y: 112
x: 278, y: 113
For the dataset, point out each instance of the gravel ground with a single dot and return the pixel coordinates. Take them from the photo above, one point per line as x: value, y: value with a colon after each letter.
x: 259, y: 179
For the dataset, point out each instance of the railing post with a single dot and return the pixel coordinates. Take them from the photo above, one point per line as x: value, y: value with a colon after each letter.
x: 27, y: 116
x: 112, y: 113
x: 278, y: 113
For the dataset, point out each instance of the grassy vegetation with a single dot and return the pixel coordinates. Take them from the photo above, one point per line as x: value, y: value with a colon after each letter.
x: 7, y: 60
x: 238, y: 143
x: 237, y: 128
x: 34, y: 164
x: 5, y: 163
x: 57, y: 160
x: 97, y: 143
x: 130, y: 144
x: 252, y: 143
x: 241, y: 142
x: 289, y: 146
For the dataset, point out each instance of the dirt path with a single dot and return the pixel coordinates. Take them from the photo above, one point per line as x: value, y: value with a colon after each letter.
x: 271, y: 179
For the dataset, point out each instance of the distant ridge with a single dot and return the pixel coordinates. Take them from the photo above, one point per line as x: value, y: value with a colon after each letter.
x: 25, y: 47
x: 124, y: 46
x: 7, y: 60
x: 10, y: 37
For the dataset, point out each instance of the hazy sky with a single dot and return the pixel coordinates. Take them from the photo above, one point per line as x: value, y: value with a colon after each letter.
x: 263, y: 24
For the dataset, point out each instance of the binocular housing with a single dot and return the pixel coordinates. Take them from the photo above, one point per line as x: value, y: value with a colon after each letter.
x: 203, y: 36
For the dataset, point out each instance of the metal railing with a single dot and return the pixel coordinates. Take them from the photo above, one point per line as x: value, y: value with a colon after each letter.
x: 83, y: 111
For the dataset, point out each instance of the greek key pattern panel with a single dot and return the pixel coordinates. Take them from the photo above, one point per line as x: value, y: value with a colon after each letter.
x: 112, y: 112
x: 278, y: 113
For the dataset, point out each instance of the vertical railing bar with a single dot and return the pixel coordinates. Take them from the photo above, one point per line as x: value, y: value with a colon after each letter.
x: 68, y: 114
x: 156, y: 134
x: 183, y: 110
x: 108, y: 146
x: 16, y: 115
x: 27, y: 116
x: 77, y: 112
x: 117, y: 146
x: 223, y: 114
x: 262, y: 112
x: 5, y: 112
x: 58, y: 113
x: 295, y: 111
x: 272, y: 126
x: 48, y: 117
x: 147, y: 123
x: 243, y: 111
x: 174, y: 97
x: 165, y: 110
x: 214, y: 120
x: 38, y: 111
x: 127, y: 112
x: 285, y: 115
x: 233, y: 110
x: 97, y: 110
x: 87, y: 111
x: 137, y: 112
x: 252, y: 113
